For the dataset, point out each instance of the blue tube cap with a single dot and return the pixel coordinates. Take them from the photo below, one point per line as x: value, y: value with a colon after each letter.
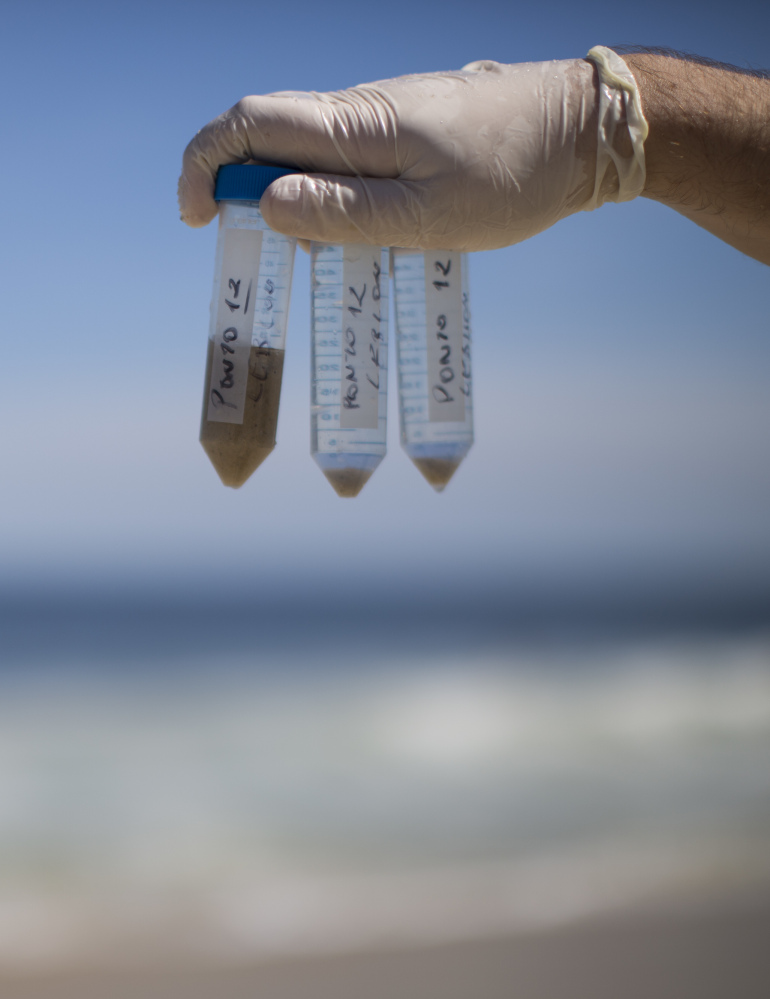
x: 246, y: 182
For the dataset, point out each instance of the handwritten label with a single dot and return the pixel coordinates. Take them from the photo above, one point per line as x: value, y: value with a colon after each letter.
x: 447, y: 320
x: 466, y: 365
x: 363, y: 341
x: 232, y: 332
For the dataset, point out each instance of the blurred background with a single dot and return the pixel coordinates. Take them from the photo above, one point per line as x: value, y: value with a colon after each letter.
x: 537, y: 701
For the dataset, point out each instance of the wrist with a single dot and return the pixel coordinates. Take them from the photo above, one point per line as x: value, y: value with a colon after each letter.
x: 621, y: 130
x: 673, y: 147
x: 708, y: 151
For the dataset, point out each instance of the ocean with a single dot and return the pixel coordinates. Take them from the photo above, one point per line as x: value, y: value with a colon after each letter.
x: 220, y: 782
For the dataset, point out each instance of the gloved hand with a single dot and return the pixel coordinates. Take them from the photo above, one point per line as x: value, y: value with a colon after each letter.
x: 469, y: 160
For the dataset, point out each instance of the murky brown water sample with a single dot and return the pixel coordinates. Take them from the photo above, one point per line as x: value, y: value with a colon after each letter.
x: 348, y: 482
x: 438, y: 471
x: 237, y: 449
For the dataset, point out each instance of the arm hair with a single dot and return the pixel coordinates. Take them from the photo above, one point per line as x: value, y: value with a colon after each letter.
x: 708, y: 151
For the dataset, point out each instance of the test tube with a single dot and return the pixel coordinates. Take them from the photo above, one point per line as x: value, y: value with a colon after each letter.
x: 433, y: 342
x: 247, y: 333
x: 349, y: 364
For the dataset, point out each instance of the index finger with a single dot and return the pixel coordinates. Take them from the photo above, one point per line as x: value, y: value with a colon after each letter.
x: 327, y: 133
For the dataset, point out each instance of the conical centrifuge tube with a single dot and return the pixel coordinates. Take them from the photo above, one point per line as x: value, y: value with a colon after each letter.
x: 349, y: 368
x: 433, y: 340
x: 249, y: 311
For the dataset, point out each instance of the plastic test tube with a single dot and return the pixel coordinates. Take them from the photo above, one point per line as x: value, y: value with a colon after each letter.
x: 247, y: 334
x: 433, y: 340
x: 349, y: 293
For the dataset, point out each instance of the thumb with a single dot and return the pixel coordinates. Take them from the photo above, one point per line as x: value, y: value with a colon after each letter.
x: 337, y: 209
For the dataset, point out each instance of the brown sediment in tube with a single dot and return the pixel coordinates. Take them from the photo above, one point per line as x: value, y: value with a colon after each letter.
x: 237, y: 449
x: 348, y: 482
x: 437, y: 471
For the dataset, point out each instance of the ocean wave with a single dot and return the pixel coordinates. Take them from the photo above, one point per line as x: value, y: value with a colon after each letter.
x: 237, y: 814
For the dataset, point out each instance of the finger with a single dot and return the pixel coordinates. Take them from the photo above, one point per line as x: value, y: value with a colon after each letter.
x: 377, y: 211
x: 255, y: 129
x: 195, y: 194
x: 344, y: 133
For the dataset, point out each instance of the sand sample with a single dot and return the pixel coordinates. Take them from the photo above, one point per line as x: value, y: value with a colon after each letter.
x: 437, y: 471
x: 348, y: 482
x: 237, y: 449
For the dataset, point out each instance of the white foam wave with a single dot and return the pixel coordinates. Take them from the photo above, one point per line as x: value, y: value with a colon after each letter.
x: 238, y: 817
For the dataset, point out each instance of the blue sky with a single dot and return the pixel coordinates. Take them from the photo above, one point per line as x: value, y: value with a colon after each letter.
x: 622, y: 358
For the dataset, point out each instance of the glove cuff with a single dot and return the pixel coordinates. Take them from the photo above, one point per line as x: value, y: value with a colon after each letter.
x: 619, y: 107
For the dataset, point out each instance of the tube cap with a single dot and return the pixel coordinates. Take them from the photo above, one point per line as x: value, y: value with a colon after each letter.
x: 246, y: 182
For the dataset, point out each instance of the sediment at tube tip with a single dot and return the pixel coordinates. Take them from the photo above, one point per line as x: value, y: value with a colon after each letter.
x: 348, y: 482
x: 236, y: 450
x: 231, y: 465
x: 436, y: 471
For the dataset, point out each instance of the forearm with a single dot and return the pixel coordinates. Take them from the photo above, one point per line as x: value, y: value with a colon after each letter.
x: 708, y: 150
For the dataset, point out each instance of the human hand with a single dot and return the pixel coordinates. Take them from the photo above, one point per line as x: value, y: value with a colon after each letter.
x: 468, y: 160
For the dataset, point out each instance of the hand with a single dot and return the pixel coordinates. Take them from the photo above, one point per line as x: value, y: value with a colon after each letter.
x: 469, y: 160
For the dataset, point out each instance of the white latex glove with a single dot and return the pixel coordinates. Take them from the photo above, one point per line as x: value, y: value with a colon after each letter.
x: 469, y: 160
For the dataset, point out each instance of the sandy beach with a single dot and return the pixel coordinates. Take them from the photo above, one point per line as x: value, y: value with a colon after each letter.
x: 711, y: 949
x: 593, y: 832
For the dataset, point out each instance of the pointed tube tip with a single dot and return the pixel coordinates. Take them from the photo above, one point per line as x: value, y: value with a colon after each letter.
x: 235, y: 464
x: 437, y: 471
x: 347, y: 482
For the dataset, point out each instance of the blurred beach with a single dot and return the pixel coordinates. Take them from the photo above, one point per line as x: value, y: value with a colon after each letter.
x: 256, y: 805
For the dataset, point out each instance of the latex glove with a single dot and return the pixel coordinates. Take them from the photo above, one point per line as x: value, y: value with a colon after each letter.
x: 469, y: 160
